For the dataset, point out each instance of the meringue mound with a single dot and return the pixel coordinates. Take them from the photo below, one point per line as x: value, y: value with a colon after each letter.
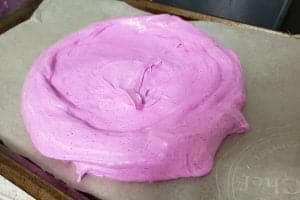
x: 142, y: 98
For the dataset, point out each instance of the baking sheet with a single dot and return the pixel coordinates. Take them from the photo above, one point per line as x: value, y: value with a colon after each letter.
x: 261, y: 165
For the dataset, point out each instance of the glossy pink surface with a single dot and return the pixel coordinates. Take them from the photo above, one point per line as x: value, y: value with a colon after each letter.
x: 135, y: 99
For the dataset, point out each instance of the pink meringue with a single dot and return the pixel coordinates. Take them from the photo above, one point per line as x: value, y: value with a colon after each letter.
x: 135, y: 99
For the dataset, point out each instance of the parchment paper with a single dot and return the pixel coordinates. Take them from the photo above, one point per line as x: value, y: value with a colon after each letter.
x: 263, y: 164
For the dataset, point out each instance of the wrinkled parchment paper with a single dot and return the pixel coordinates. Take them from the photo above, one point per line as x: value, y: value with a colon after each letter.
x: 263, y: 164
